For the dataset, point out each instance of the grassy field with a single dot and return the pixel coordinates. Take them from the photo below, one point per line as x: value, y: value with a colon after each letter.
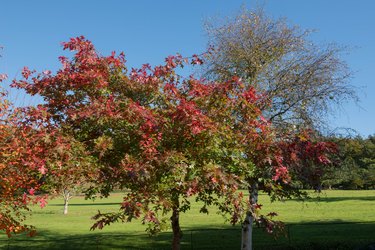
x: 335, y: 220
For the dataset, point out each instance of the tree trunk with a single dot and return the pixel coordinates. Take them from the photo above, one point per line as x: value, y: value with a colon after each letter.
x: 175, y: 220
x: 66, y: 196
x: 318, y: 188
x: 247, y: 225
x: 247, y: 232
x: 66, y: 203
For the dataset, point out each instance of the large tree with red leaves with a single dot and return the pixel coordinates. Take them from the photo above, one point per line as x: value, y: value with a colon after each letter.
x: 152, y: 131
x: 165, y: 137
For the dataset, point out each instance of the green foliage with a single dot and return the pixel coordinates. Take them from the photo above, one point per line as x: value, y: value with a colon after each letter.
x: 357, y: 167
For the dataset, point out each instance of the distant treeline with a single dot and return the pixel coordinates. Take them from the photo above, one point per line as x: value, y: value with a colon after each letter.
x: 356, y: 167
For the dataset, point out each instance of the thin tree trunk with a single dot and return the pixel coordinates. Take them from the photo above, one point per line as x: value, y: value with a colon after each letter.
x: 66, y: 203
x: 247, y: 229
x: 175, y: 220
x: 66, y: 195
x: 247, y: 225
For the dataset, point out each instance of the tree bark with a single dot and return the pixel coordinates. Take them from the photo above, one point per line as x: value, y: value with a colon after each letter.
x: 66, y: 195
x: 247, y: 229
x: 66, y: 203
x: 247, y: 225
x: 175, y: 220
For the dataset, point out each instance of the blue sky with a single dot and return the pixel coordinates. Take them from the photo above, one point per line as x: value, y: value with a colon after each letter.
x: 148, y: 31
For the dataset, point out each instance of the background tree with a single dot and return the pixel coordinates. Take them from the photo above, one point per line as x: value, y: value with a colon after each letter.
x: 72, y: 177
x: 303, y: 81
x: 299, y: 81
x: 357, y: 158
x: 264, y: 160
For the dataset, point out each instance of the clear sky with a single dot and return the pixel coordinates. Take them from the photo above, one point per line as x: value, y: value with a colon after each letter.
x: 148, y: 31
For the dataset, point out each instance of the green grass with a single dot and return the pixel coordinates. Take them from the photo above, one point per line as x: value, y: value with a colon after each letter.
x: 336, y: 220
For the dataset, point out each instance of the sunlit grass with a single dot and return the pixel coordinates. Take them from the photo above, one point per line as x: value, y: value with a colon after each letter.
x: 335, y: 220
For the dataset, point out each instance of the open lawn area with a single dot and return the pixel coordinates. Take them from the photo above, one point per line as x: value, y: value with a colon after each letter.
x: 335, y: 220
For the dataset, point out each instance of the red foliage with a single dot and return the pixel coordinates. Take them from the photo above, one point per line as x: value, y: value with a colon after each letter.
x: 163, y: 136
x: 307, y: 158
x: 29, y: 148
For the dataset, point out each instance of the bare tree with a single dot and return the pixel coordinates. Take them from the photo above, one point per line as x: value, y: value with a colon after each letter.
x: 301, y: 80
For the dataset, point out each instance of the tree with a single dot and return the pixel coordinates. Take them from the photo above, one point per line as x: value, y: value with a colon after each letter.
x: 31, y: 151
x: 357, y: 164
x: 310, y: 159
x: 164, y: 137
x: 18, y: 170
x: 262, y: 158
x: 29, y: 147
x: 298, y: 81
x: 151, y: 131
x: 302, y: 80
x: 70, y: 177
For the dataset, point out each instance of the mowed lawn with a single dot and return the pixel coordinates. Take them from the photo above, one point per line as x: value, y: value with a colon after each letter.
x: 335, y: 220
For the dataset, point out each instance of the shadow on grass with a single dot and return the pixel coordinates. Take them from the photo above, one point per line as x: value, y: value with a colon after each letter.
x: 335, y: 234
x: 309, y: 236
x: 335, y: 199
x: 323, y: 198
